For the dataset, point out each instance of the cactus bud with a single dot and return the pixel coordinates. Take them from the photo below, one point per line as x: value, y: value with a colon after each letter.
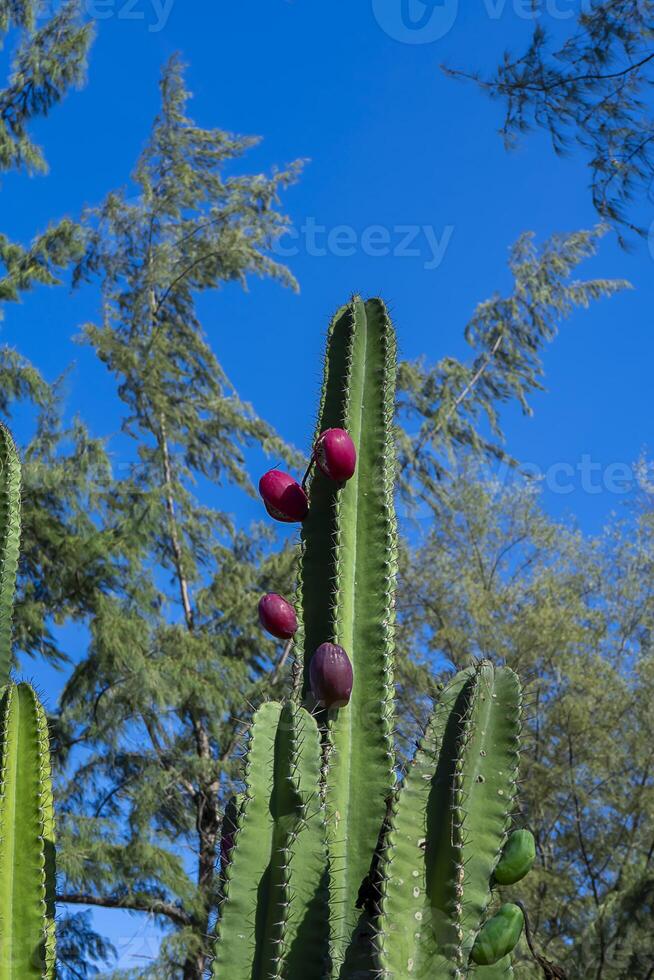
x: 517, y: 858
x: 283, y: 496
x: 498, y: 936
x: 277, y: 616
x: 335, y: 455
x: 331, y: 677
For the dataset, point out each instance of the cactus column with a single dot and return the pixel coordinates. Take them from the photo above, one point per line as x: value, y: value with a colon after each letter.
x: 347, y: 578
x: 9, y: 542
x: 27, y: 850
x: 27, y: 869
x: 448, y: 829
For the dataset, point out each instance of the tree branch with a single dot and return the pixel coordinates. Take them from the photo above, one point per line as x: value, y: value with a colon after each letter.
x: 152, y: 906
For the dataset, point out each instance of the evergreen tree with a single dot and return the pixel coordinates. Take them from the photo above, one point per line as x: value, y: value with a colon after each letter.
x: 63, y: 467
x: 453, y: 407
x: 495, y: 577
x: 175, y: 652
x: 593, y: 89
x: 47, y: 59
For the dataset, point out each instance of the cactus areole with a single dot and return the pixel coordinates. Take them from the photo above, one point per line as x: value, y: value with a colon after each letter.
x: 335, y: 455
x: 331, y: 676
x: 283, y: 496
x: 277, y: 616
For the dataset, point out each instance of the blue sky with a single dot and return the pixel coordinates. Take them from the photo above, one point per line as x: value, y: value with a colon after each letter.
x: 390, y: 142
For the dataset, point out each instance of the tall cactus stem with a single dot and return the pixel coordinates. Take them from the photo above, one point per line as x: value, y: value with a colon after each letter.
x: 348, y: 569
x: 27, y: 856
x: 10, y: 489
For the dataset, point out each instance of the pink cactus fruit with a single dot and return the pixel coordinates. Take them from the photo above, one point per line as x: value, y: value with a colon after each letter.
x: 277, y: 616
x: 283, y: 496
x: 336, y: 455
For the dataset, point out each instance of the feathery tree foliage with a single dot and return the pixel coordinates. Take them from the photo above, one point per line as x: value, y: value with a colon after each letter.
x: 454, y: 407
x: 175, y: 653
x: 494, y: 576
x: 47, y: 58
x: 594, y: 89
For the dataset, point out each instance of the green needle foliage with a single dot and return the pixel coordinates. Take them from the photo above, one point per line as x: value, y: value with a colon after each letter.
x: 175, y: 656
x: 495, y: 576
x: 405, y: 883
x: 49, y: 59
x: 455, y: 406
x: 590, y: 88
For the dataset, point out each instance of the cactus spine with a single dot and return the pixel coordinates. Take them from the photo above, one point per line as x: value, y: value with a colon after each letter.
x: 27, y: 835
x: 381, y: 880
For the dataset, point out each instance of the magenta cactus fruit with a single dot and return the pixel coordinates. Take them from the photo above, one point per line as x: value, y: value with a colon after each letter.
x: 277, y: 616
x: 283, y: 496
x: 330, y: 673
x: 335, y: 455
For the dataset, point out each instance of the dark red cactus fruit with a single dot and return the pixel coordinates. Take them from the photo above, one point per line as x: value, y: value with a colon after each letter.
x: 335, y: 455
x: 331, y: 677
x: 283, y: 496
x: 277, y: 616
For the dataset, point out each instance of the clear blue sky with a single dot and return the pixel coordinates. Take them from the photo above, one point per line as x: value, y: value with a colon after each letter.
x: 391, y: 142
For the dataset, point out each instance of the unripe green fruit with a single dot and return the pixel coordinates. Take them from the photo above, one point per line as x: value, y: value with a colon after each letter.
x: 517, y: 858
x: 498, y: 936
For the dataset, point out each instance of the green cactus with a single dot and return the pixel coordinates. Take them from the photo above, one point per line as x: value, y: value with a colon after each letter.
x: 347, y: 577
x: 275, y: 893
x: 9, y: 543
x: 338, y: 871
x: 27, y: 848
x: 27, y: 855
x: 449, y: 826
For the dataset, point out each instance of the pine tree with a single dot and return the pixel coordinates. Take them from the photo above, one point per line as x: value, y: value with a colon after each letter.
x: 48, y: 59
x: 495, y: 577
x: 454, y: 408
x: 62, y: 466
x: 592, y: 89
x: 175, y: 653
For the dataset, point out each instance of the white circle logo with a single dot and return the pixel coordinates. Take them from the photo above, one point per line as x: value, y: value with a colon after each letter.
x: 416, y: 21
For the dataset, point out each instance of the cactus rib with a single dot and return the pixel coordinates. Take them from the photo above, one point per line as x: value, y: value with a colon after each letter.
x: 279, y: 812
x: 27, y: 872
x: 448, y: 827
